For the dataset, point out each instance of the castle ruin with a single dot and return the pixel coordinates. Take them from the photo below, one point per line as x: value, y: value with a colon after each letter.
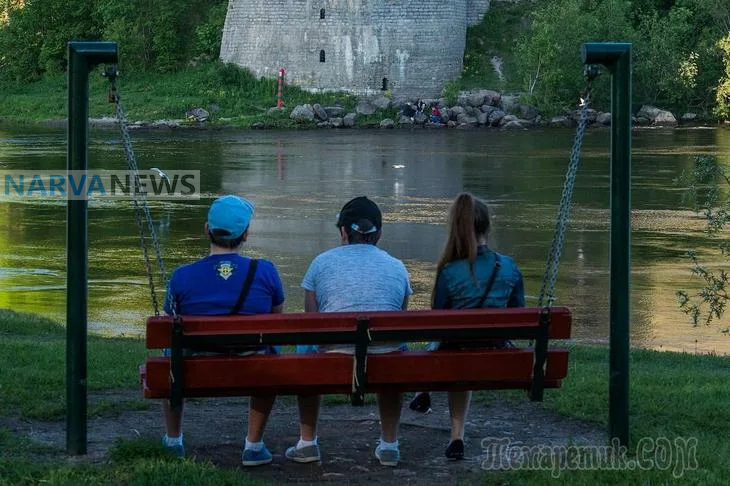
x: 410, y: 47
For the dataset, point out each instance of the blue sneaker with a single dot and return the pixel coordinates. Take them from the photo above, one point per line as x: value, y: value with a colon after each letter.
x: 387, y: 457
x: 304, y: 455
x: 175, y: 450
x: 251, y: 457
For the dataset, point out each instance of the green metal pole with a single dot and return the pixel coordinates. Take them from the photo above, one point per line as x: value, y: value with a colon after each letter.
x: 617, y: 58
x: 81, y: 57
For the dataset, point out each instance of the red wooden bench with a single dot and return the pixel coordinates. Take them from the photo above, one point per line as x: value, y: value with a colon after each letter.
x: 531, y: 369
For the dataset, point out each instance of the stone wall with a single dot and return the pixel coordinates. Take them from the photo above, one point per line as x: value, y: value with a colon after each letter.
x: 413, y: 45
x: 475, y: 10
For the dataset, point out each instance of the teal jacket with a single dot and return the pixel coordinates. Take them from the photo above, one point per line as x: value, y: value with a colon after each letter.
x: 456, y: 289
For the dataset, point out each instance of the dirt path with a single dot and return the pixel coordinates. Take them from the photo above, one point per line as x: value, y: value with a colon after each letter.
x: 214, y: 431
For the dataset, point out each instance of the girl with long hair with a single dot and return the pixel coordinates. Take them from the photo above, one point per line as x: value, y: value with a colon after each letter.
x: 470, y: 275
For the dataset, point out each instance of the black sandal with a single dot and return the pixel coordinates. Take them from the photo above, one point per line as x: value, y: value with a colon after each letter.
x: 421, y: 403
x: 455, y: 450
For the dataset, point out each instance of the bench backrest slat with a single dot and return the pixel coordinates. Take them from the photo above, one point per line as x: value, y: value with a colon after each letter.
x: 282, y: 328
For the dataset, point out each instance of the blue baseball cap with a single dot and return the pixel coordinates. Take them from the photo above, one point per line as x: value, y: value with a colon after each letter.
x: 231, y: 216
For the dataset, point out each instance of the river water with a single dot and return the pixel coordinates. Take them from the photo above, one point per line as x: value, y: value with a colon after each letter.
x: 300, y: 179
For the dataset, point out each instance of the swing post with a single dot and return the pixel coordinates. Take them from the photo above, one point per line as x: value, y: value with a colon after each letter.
x: 82, y: 57
x: 617, y: 59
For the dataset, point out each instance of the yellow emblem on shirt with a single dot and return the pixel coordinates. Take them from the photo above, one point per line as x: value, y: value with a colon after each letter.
x: 225, y: 269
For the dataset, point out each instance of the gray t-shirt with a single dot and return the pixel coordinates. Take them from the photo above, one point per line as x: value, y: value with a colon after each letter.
x: 360, y: 277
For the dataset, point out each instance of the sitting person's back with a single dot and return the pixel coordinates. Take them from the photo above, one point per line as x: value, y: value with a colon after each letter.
x: 354, y: 277
x: 357, y: 277
x: 226, y: 283
x: 470, y: 275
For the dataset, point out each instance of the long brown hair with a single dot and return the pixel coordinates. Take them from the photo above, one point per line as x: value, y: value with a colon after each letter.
x: 468, y: 221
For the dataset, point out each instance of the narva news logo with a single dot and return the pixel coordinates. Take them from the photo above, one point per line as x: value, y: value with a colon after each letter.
x: 152, y: 184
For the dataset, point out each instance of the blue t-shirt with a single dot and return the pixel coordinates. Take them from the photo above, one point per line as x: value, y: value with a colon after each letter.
x: 211, y: 286
x: 353, y: 278
x: 360, y: 277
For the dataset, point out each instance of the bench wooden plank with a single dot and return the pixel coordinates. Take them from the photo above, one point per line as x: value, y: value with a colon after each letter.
x: 159, y: 328
x: 332, y: 373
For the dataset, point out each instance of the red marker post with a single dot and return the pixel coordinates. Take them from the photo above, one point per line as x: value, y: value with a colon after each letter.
x: 280, y: 96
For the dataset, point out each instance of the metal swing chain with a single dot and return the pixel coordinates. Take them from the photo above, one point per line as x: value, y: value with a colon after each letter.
x: 141, y: 208
x: 547, y: 289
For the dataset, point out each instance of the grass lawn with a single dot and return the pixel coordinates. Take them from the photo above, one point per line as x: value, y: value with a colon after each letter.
x: 673, y: 396
x: 155, y: 96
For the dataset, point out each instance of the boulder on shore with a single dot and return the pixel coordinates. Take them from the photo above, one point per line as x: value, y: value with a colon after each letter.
x: 561, y: 122
x: 197, y: 114
x: 495, y: 117
x: 381, y: 103
x: 349, y: 120
x: 320, y: 112
x: 387, y: 123
x: 366, y: 108
x: 656, y: 116
x: 334, y: 111
x: 604, y: 118
x: 528, y: 112
x: 302, y: 113
x: 420, y: 118
x: 509, y: 104
x: 665, y: 119
x: 513, y: 125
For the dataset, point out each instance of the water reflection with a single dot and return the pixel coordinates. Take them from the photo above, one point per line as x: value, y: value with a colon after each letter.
x: 299, y: 181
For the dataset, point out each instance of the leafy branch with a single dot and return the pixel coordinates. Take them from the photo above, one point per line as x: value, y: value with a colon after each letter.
x: 704, y: 185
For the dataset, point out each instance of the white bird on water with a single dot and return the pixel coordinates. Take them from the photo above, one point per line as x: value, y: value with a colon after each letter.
x: 399, y: 166
x: 160, y: 173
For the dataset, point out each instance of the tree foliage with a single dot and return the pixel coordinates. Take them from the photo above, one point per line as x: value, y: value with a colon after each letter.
x: 677, y: 57
x: 162, y: 35
x: 707, y: 186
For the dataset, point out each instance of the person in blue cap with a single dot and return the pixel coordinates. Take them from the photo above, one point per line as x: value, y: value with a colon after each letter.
x: 226, y: 282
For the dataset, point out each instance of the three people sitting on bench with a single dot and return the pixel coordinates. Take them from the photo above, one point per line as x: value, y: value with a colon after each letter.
x: 356, y: 276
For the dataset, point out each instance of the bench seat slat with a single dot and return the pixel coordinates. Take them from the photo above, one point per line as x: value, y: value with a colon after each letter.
x: 332, y: 373
x: 272, y: 325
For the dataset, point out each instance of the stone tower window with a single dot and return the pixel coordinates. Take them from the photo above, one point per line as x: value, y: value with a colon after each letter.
x: 385, y: 84
x: 321, y: 14
x: 321, y: 55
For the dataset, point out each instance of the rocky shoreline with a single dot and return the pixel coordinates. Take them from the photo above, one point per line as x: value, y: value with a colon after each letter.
x: 482, y: 108
x: 472, y: 109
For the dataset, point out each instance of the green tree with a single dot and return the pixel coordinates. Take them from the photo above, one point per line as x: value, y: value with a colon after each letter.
x: 559, y: 29
x: 722, y: 109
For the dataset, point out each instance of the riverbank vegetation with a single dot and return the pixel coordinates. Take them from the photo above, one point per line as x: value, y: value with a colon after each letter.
x: 681, y: 52
x: 32, y: 370
x: 168, y: 65
x: 168, y: 51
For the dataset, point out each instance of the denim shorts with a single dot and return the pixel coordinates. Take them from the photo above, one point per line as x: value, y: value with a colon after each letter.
x: 349, y: 348
x: 264, y: 350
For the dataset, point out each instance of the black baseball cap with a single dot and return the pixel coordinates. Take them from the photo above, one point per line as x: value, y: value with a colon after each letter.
x: 361, y: 215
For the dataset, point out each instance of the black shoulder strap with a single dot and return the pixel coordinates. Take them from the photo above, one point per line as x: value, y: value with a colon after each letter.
x: 492, y: 278
x: 246, y: 286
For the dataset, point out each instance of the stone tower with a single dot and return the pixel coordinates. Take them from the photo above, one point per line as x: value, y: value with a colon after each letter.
x: 412, y: 47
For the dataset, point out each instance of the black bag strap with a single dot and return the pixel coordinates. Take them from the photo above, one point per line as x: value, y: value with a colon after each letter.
x: 492, y: 278
x: 246, y: 286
